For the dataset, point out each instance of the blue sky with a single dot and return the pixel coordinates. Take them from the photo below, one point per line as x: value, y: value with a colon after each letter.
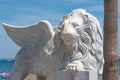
x: 26, y: 12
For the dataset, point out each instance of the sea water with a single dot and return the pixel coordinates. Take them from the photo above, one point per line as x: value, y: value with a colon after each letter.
x: 6, y: 66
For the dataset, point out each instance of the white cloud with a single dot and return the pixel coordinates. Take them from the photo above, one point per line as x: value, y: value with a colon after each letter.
x: 96, y: 8
x: 119, y: 11
x: 19, y: 15
x: 27, y: 19
x: 78, y: 1
x: 67, y: 2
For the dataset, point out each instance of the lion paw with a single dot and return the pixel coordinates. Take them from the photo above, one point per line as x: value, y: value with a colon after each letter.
x: 75, y: 66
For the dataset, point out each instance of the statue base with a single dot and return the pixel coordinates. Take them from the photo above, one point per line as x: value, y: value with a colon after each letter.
x: 77, y: 75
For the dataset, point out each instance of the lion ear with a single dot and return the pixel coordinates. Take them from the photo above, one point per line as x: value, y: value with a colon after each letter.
x: 86, y: 18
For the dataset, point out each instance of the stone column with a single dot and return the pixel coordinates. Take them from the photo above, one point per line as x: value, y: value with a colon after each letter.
x: 77, y: 75
x: 31, y: 77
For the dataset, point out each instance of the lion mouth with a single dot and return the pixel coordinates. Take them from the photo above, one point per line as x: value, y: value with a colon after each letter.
x: 70, y: 41
x: 69, y: 36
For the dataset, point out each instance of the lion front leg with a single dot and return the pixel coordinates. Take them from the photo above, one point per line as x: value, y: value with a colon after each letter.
x: 75, y: 66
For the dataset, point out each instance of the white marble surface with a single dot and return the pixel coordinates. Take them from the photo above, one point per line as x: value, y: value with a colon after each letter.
x: 78, y: 75
x: 75, y: 45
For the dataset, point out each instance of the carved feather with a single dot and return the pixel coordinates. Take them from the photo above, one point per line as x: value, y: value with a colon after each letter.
x: 31, y: 35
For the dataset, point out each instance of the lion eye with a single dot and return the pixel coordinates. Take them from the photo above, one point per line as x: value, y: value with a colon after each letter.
x: 74, y: 24
x: 59, y: 27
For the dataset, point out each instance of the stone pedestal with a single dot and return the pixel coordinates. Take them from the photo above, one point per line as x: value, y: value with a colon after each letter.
x: 78, y: 75
x: 31, y: 77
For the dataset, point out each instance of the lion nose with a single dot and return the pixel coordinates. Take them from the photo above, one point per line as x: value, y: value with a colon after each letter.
x: 68, y: 32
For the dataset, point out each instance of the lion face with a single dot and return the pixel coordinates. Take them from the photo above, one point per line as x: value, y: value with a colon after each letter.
x: 81, y: 34
x: 69, y: 28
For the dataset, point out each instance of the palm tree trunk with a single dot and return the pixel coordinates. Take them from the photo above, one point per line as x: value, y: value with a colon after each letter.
x: 111, y: 40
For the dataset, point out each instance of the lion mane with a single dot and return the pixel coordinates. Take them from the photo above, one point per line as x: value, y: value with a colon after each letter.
x: 89, y: 42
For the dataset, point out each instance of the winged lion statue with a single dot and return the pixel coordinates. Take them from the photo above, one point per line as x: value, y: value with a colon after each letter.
x: 74, y: 44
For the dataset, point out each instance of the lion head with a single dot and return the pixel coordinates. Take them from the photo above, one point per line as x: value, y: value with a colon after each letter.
x: 79, y: 34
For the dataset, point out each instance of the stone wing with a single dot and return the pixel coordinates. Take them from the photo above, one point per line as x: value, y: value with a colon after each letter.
x: 30, y: 35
